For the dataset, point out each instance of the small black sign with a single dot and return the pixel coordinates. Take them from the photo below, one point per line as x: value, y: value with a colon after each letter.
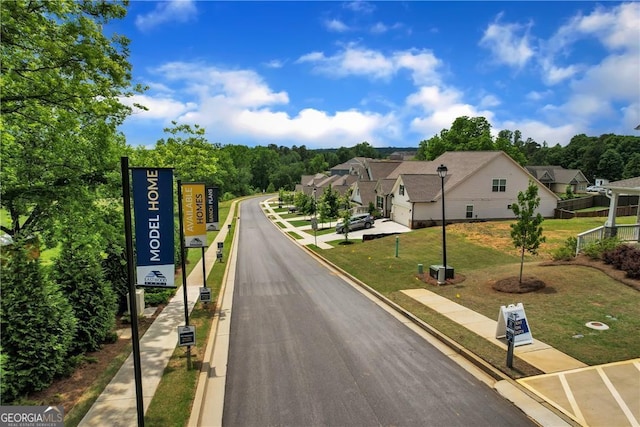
x: 186, y: 335
x: 205, y: 294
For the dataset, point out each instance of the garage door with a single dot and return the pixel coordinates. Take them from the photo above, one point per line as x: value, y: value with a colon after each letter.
x: 401, y: 215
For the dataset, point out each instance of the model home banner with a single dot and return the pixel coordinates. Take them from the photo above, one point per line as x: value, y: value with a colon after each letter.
x: 153, y: 213
x: 212, y: 209
x: 194, y: 217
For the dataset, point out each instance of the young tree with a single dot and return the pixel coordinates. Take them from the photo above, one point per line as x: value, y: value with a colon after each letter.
x: 526, y: 232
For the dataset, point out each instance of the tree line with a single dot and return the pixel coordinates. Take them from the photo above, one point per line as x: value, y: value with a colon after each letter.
x: 60, y: 111
x: 607, y: 156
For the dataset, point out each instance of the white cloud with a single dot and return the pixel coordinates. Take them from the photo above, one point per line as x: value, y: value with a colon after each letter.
x: 160, y: 107
x: 616, y: 28
x: 509, y: 43
x: 537, y: 95
x: 542, y: 132
x: 357, y: 61
x: 488, y: 101
x: 336, y: 25
x: 274, y: 63
x: 167, y: 11
x: 359, y: 6
x: 239, y: 104
x: 441, y: 106
x: 379, y: 28
x: 597, y: 90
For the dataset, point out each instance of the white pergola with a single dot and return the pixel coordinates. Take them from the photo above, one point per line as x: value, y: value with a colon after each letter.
x: 616, y: 189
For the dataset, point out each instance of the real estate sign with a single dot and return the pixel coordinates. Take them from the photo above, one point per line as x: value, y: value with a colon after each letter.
x: 512, y: 322
x: 212, y: 208
x: 194, y: 218
x: 153, y: 213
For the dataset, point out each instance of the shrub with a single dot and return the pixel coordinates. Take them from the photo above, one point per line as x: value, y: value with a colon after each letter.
x: 632, y: 265
x: 114, y: 266
x: 78, y: 271
x: 596, y: 249
x: 566, y: 252
x: 37, y: 326
x: 625, y: 258
x: 156, y: 296
x: 617, y: 256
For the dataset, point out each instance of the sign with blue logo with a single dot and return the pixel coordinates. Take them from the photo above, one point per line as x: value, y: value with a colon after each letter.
x: 154, y: 226
x: 512, y: 324
x: 212, y: 208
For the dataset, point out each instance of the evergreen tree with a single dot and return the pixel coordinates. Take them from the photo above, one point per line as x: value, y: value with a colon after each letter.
x: 37, y: 325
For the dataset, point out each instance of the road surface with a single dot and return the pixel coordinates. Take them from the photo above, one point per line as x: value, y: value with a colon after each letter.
x: 307, y: 349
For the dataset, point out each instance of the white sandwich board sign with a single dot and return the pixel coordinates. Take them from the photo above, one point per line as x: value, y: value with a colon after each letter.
x: 519, y: 324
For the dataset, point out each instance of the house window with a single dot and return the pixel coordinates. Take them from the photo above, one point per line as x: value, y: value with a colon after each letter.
x: 379, y: 202
x: 401, y: 190
x: 469, y: 211
x: 499, y: 185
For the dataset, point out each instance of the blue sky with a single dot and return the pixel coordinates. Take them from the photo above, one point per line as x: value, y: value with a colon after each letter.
x: 332, y: 74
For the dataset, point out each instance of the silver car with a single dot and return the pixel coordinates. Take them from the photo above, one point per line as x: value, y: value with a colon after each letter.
x: 356, y: 222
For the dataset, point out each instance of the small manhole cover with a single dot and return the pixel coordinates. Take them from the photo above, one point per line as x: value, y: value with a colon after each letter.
x: 597, y: 325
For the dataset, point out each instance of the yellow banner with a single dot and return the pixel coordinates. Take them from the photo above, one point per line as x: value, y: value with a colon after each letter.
x: 194, y: 218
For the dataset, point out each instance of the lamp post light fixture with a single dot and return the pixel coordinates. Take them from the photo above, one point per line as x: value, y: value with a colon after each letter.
x: 314, y: 223
x: 448, y: 272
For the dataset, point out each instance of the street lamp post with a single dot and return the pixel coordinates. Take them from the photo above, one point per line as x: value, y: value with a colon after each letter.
x: 448, y: 273
x: 315, y: 217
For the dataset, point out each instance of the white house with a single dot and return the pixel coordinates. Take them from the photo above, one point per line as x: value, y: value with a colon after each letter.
x: 480, y: 185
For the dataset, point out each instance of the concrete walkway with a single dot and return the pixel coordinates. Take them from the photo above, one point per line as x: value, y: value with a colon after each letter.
x: 116, y: 406
x: 539, y: 355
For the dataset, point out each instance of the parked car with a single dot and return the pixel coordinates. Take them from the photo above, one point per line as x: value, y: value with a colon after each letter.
x: 356, y: 222
x: 596, y: 189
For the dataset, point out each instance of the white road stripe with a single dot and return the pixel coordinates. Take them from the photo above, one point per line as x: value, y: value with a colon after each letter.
x: 617, y: 397
x: 572, y: 400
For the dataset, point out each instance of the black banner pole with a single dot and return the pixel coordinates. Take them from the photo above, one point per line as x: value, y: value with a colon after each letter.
x: 183, y: 263
x: 133, y: 312
x: 204, y: 270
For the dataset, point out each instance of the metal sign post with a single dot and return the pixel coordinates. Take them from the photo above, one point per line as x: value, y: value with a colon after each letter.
x: 133, y: 313
x: 184, y: 269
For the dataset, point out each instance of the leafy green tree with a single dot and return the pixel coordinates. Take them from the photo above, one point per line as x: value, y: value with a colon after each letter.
x: 632, y: 167
x: 511, y: 144
x: 332, y: 199
x: 526, y: 232
x: 611, y: 165
x: 468, y: 134
x: 345, y: 214
x: 364, y: 149
x: 344, y: 154
x: 431, y: 148
x: 263, y: 163
x: 37, y: 324
x: 317, y: 164
x: 187, y: 150
x: 61, y: 90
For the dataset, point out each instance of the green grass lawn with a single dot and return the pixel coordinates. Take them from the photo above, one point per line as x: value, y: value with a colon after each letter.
x: 482, y: 253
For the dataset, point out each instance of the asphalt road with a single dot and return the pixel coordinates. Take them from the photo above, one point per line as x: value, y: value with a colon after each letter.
x: 307, y: 349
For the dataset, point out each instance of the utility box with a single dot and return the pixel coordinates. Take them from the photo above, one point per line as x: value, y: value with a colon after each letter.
x: 441, y: 273
x: 139, y: 302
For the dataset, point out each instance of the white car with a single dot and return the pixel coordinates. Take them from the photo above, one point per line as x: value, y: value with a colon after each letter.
x: 596, y: 189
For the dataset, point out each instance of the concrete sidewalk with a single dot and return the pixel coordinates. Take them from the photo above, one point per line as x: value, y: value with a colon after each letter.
x: 539, y: 355
x: 116, y: 406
